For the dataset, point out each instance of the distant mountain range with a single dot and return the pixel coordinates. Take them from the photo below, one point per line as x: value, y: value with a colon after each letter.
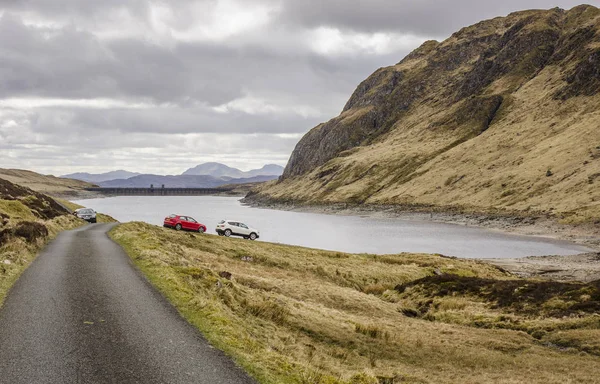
x: 222, y: 170
x: 207, y: 175
x: 181, y: 181
x: 100, y: 177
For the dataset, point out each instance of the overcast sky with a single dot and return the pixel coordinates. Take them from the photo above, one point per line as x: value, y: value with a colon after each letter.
x: 160, y: 86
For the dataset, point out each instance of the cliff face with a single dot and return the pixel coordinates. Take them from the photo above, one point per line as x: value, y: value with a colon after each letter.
x: 503, y: 114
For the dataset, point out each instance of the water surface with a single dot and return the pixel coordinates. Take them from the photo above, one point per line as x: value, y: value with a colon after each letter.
x: 334, y: 232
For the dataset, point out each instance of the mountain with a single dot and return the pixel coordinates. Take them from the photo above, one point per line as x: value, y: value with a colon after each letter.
x: 55, y: 186
x: 99, y: 177
x: 213, y: 169
x: 221, y: 170
x: 180, y: 181
x: 267, y: 170
x: 503, y: 115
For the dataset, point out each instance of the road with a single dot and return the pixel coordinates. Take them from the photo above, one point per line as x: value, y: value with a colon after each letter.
x: 81, y: 313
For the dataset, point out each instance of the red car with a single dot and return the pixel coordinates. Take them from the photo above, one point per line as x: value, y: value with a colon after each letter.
x: 185, y: 223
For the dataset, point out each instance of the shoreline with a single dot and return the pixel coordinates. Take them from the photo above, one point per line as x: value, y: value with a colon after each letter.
x: 584, y: 267
x: 584, y: 234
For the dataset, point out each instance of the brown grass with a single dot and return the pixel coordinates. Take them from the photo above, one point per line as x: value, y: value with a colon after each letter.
x: 297, y: 315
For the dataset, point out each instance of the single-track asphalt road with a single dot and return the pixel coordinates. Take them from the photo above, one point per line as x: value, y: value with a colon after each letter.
x: 82, y: 313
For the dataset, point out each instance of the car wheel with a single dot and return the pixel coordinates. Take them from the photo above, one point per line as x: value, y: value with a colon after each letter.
x: 201, y: 229
x: 253, y: 236
x: 228, y: 232
x: 178, y: 227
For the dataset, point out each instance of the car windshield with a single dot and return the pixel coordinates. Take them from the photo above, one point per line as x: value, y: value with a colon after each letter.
x: 172, y: 216
x: 86, y: 211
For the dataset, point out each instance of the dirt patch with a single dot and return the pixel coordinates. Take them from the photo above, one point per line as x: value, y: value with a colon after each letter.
x: 31, y: 231
x: 5, y: 234
x: 582, y: 268
x: 526, y: 297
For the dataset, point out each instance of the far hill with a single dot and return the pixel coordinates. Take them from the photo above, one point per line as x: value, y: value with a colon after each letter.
x: 503, y: 115
x: 222, y: 170
x: 181, y: 181
x: 213, y: 169
x: 55, y: 186
x: 98, y: 177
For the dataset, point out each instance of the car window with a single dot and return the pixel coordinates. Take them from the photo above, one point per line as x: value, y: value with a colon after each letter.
x: 183, y: 218
x: 191, y: 220
x: 231, y: 223
x: 172, y: 216
x: 243, y: 226
x: 222, y: 222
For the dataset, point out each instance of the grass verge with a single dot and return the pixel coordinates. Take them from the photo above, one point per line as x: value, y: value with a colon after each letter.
x: 296, y: 315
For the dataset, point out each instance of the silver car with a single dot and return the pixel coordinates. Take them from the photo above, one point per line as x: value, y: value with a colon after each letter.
x: 86, y: 214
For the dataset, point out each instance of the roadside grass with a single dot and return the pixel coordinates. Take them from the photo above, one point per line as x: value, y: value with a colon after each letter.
x: 296, y: 315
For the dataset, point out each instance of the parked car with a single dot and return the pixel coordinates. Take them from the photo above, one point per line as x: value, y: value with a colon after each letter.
x: 185, y: 223
x: 236, y: 228
x: 86, y: 214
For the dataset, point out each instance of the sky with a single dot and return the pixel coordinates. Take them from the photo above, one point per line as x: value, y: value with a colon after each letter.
x: 160, y: 86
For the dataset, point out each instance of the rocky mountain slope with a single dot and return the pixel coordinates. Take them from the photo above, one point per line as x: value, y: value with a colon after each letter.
x: 503, y: 115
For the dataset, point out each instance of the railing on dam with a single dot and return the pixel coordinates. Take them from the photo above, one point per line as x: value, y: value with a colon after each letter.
x: 159, y: 191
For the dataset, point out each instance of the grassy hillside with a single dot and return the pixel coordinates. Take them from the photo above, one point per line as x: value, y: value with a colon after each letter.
x: 297, y: 315
x: 503, y: 115
x: 28, y: 220
x: 47, y: 184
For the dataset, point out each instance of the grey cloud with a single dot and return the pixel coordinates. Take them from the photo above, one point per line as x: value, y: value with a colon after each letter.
x: 148, y: 153
x: 75, y: 64
x: 85, y: 122
x: 422, y: 17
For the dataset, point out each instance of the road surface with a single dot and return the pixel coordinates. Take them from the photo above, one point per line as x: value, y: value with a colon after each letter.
x: 81, y: 313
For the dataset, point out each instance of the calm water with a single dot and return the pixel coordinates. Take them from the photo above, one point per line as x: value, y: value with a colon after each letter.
x: 340, y: 233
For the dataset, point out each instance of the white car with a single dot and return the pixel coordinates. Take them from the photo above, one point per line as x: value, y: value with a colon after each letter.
x: 236, y: 228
